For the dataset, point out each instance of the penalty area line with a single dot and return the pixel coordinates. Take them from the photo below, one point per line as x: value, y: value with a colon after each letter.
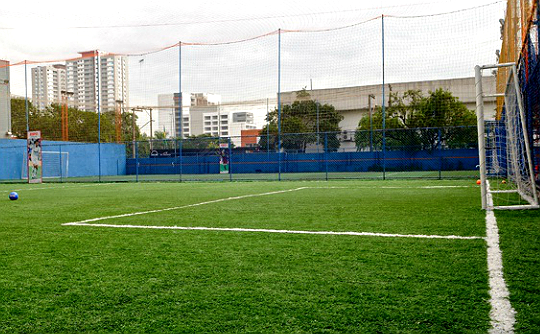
x: 260, y: 230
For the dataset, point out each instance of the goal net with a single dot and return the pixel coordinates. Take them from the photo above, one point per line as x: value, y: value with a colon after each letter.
x: 55, y: 164
x: 506, y: 172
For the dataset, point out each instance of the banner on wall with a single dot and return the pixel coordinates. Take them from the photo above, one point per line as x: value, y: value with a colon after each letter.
x: 35, y: 163
x: 224, y: 158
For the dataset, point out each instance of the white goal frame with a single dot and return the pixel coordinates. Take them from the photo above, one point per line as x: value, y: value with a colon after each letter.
x: 64, y: 161
x: 526, y: 190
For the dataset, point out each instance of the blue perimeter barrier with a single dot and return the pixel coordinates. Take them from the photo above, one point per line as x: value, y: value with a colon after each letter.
x: 335, y: 162
x: 83, y: 158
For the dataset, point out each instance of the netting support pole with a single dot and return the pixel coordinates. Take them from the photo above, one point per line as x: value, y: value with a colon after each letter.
x: 326, y: 154
x: 267, y: 131
x: 230, y: 157
x: 99, y: 112
x: 439, y: 148
x: 481, y: 134
x: 383, y: 105
x: 61, y: 169
x: 26, y: 99
x: 279, y: 105
x: 179, y: 130
x: 136, y: 161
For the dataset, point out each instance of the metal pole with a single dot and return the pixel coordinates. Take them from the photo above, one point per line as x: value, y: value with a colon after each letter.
x: 230, y: 159
x: 370, y: 96
x: 133, y: 131
x: 61, y: 169
x: 326, y: 154
x: 279, y: 104
x: 317, y: 113
x: 481, y: 134
x: 317, y: 105
x: 136, y: 162
x: 151, y: 131
x: 99, y: 112
x: 180, y: 122
x: 383, y: 105
x: 267, y: 130
x: 26, y: 99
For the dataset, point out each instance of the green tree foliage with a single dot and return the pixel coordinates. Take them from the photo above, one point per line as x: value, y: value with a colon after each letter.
x: 299, y: 125
x: 83, y: 125
x: 200, y: 142
x: 419, y: 122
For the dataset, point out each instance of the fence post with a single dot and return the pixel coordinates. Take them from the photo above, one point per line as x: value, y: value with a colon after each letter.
x: 383, y: 104
x: 181, y: 157
x: 439, y: 147
x: 326, y: 155
x: 136, y: 161
x: 61, y: 170
x: 230, y: 159
x: 279, y: 104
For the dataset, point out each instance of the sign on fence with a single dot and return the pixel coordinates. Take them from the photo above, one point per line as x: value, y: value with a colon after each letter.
x: 35, y: 170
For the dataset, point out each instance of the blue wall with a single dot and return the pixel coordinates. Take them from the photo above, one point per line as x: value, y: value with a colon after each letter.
x: 83, y: 158
x: 446, y: 160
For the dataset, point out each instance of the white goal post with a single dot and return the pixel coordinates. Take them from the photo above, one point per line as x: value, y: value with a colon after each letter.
x: 55, y: 164
x: 505, y: 159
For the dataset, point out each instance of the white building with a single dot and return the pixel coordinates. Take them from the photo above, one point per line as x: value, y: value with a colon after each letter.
x: 354, y: 102
x: 48, y: 85
x: 168, y: 117
x: 165, y: 114
x: 5, y: 101
x: 82, y: 81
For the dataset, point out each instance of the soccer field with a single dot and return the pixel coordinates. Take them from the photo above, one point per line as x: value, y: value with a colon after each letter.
x: 336, y: 256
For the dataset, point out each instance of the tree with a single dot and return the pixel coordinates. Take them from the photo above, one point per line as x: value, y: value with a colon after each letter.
x: 200, y: 142
x: 299, y: 124
x: 83, y: 125
x: 419, y: 122
x: 160, y: 134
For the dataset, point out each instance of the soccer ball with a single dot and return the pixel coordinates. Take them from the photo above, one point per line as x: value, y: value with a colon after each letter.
x: 13, y: 196
x: 503, y: 181
x: 478, y: 181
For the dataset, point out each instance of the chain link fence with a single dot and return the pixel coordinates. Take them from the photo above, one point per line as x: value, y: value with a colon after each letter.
x: 397, y: 153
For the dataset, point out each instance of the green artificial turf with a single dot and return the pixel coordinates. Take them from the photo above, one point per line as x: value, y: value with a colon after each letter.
x: 67, y: 279
x: 520, y: 244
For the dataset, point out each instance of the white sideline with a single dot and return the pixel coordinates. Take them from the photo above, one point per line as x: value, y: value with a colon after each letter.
x: 201, y: 228
x: 502, y: 313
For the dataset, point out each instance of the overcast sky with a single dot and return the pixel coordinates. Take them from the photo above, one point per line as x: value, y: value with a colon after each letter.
x: 420, y: 48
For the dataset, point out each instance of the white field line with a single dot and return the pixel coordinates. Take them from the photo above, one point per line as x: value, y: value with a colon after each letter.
x: 88, y: 222
x: 502, y: 313
x: 188, y: 205
x: 201, y: 228
x: 207, y: 202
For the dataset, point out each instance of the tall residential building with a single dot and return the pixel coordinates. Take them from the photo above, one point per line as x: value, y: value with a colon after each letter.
x: 82, y: 81
x: 5, y: 100
x: 48, y: 85
x: 169, y: 107
x: 165, y: 114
